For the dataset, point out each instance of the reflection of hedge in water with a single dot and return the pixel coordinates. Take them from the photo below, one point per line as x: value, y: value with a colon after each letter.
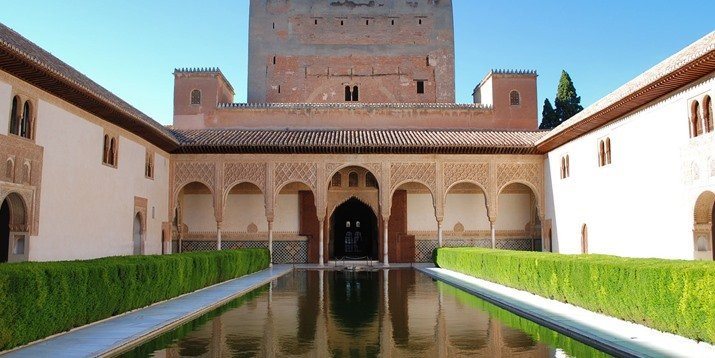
x: 537, y: 332
x: 172, y: 337
x: 354, y: 298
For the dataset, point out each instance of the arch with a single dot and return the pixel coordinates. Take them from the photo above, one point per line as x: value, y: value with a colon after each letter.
x: 235, y: 185
x: 703, y: 225
x: 13, y: 218
x: 514, y: 98
x: 534, y: 190
x: 707, y: 114
x: 356, y: 94
x: 371, y: 180
x: 196, y: 96
x: 703, y: 207
x: 464, y: 209
x: 608, y: 151
x: 695, y: 126
x: 584, y: 239
x: 347, y: 198
x: 138, y: 230
x: 524, y: 217
x: 353, y: 230
x: 26, y: 120
x: 281, y: 186
x: 417, y: 181
x: 348, y: 94
x: 348, y: 165
x: 181, y: 186
x: 15, y: 116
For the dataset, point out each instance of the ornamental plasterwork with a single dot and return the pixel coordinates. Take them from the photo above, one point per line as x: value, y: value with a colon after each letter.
x: 419, y: 172
x: 374, y: 168
x: 306, y: 173
x: 245, y: 172
x: 475, y: 172
x: 526, y: 172
x: 194, y: 171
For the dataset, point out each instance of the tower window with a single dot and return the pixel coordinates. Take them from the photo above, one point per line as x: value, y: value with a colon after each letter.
x: 352, y: 94
x: 195, y: 97
x: 279, y: 88
x: 514, y: 98
x: 356, y: 96
x: 315, y: 21
x: 353, y: 179
x: 420, y: 21
x: 367, y: 22
x: 342, y: 23
x: 392, y: 22
x: 348, y: 94
x: 274, y: 60
x: 420, y: 87
x: 274, y: 26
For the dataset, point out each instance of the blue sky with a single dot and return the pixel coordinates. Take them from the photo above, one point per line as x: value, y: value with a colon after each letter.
x: 131, y: 47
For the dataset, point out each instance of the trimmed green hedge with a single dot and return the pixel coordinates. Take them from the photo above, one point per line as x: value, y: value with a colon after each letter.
x: 38, y: 299
x: 669, y: 295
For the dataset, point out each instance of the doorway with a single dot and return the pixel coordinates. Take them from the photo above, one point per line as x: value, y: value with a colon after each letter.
x: 353, y: 233
x: 4, y: 231
x: 137, y: 240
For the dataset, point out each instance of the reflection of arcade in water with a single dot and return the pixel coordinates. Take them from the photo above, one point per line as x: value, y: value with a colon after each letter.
x: 364, y: 314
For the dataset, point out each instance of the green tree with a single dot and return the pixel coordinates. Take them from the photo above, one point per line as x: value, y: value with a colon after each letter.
x: 549, y: 119
x: 567, y: 102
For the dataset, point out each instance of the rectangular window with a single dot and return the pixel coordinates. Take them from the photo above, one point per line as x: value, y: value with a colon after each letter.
x: 420, y: 87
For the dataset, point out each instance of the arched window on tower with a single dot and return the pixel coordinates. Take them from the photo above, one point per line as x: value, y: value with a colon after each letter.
x: 707, y: 114
x: 15, y: 116
x: 514, y: 98
x: 356, y: 96
x: 196, y: 97
x: 348, y: 94
x: 353, y: 179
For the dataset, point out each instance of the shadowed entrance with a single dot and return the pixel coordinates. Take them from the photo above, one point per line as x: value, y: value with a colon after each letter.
x: 353, y: 231
x: 4, y: 231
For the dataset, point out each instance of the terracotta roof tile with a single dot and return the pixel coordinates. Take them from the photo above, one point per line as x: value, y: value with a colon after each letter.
x: 357, y: 141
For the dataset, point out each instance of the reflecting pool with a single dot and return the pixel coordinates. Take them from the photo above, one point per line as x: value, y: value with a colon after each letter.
x: 386, y: 313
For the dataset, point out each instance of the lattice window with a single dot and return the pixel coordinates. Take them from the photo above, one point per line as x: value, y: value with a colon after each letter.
x: 149, y: 165
x: 196, y: 97
x: 370, y: 180
x: 353, y: 179
x: 514, y: 98
x: 337, y: 180
x: 14, y: 116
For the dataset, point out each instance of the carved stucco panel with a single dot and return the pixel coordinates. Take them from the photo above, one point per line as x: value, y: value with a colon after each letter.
x: 474, y: 172
x: 245, y: 172
x: 301, y: 172
x: 419, y: 172
x: 526, y: 172
x: 187, y: 172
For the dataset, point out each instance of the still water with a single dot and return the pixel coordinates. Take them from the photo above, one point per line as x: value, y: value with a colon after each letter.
x: 387, y: 313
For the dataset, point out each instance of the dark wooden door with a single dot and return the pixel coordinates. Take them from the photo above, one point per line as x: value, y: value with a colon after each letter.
x: 309, y: 225
x: 397, y: 228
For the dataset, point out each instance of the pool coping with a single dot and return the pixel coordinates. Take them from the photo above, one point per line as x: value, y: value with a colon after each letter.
x: 613, y: 336
x: 118, y: 334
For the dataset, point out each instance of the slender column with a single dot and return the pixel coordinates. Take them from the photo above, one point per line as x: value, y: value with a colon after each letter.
x: 218, y: 235
x: 439, y: 233
x: 270, y: 242
x: 321, y: 238
x: 385, y: 259
x: 494, y: 234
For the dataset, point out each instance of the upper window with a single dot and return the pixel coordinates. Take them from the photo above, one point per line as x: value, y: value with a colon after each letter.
x: 604, y: 152
x: 370, y: 180
x: 565, y: 170
x: 109, y: 154
x: 420, y: 87
x: 337, y: 180
x: 707, y: 114
x: 21, y: 115
x: 514, y: 98
x: 149, y: 165
x: 195, y: 97
x: 353, y: 179
x: 352, y: 94
x: 696, y: 127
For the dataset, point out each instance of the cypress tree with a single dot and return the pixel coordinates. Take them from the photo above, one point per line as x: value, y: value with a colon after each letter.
x: 567, y: 102
x: 549, y: 119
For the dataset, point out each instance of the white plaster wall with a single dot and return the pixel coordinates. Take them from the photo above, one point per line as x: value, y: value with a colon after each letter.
x: 420, y: 213
x: 468, y: 209
x: 198, y: 213
x: 514, y: 211
x: 286, y: 213
x: 244, y: 209
x: 5, y: 106
x: 642, y: 204
x: 87, y: 208
x: 486, y: 92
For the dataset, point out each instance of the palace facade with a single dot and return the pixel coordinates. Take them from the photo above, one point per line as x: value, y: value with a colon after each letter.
x: 351, y: 146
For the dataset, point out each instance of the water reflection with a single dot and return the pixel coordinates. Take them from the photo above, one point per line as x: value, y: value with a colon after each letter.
x: 395, y: 313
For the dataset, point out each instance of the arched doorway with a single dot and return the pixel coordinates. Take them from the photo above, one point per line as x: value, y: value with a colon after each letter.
x: 704, y: 227
x: 518, y: 226
x: 354, y: 231
x: 137, y: 239
x: 13, y: 229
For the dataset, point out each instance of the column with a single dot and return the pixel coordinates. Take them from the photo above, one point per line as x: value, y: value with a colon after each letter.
x: 218, y: 235
x: 385, y: 259
x: 494, y: 234
x: 270, y: 242
x: 439, y: 233
x: 321, y: 238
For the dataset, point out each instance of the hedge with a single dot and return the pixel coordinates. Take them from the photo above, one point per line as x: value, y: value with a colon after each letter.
x: 39, y: 299
x: 669, y: 295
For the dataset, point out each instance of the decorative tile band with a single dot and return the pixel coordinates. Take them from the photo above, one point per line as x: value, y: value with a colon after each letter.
x: 284, y: 252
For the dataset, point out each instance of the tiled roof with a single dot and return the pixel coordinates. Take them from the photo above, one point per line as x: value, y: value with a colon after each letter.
x: 29, y: 62
x: 686, y: 66
x: 357, y: 141
x: 348, y: 105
